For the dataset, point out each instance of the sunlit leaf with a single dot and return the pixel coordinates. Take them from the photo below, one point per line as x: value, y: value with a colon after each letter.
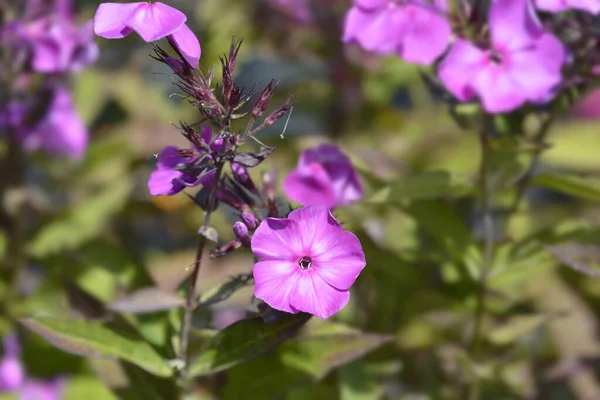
x: 92, y: 339
x: 583, y: 187
x: 245, y: 340
x: 582, y: 258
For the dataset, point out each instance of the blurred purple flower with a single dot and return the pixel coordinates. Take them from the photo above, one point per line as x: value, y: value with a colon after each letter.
x: 591, y: 6
x: 14, y: 380
x: 324, y: 176
x: 297, y: 9
x: 416, y: 29
x: 308, y: 262
x: 59, y: 131
x: 588, y: 107
x: 169, y: 178
x: 58, y: 45
x: 152, y: 21
x: 522, y: 64
x: 224, y: 317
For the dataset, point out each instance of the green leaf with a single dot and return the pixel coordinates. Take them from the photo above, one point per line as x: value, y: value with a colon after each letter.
x: 358, y: 382
x: 225, y: 290
x: 83, y: 223
x: 298, y: 361
x: 92, y: 339
x: 424, y: 186
x: 245, y: 340
x: 87, y: 387
x: 583, y: 187
x: 515, y: 328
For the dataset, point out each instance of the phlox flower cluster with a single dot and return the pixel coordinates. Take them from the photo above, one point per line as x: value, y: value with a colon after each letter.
x: 46, y: 41
x: 307, y: 262
x: 505, y: 60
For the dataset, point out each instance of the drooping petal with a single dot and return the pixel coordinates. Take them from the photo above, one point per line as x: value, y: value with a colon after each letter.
x: 461, y: 65
x: 274, y: 282
x: 552, y: 5
x: 514, y: 24
x: 341, y: 264
x: 319, y: 229
x: 313, y: 295
x: 188, y: 45
x: 497, y: 91
x: 310, y: 185
x: 427, y: 36
x: 164, y: 182
x: 155, y: 21
x: 277, y: 239
x: 169, y: 158
x: 110, y: 19
x: 537, y: 72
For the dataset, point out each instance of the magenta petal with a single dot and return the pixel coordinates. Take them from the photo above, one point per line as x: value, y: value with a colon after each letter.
x: 370, y: 4
x: 277, y: 239
x: 43, y: 390
x: 188, y: 45
x: 428, y: 35
x: 155, y: 21
x: 341, y: 264
x: 109, y: 21
x: 274, y: 282
x: 310, y: 185
x: 497, y: 90
x: 460, y: 66
x: 11, y: 374
x: 313, y: 295
x: 552, y: 5
x: 513, y: 24
x: 318, y: 228
x: 163, y: 182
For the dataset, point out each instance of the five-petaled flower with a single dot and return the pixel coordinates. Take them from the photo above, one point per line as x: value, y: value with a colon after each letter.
x: 522, y: 64
x: 324, y: 176
x: 308, y: 262
x: 152, y: 21
x: 416, y: 29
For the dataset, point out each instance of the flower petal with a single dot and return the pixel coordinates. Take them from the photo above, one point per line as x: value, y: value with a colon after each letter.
x: 109, y: 21
x: 277, y: 239
x: 341, y: 264
x: 318, y: 228
x: 458, y: 69
x: 155, y: 21
x: 379, y: 31
x: 188, y: 44
x: 370, y: 4
x: 310, y: 185
x: 163, y: 182
x: 169, y: 158
x: 513, y: 24
x: 552, y: 5
x: 497, y: 90
x: 427, y: 36
x: 313, y: 295
x: 274, y: 282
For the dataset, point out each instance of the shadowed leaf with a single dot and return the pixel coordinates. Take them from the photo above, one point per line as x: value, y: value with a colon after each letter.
x: 226, y: 290
x: 250, y: 160
x: 92, y: 339
x: 581, y: 258
x: 146, y: 301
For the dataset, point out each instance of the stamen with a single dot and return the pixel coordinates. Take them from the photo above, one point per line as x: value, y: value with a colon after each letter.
x: 305, y: 262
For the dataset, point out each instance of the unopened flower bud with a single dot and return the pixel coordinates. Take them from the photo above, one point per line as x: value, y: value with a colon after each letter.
x: 263, y: 99
x: 240, y: 173
x: 250, y: 220
x: 280, y: 112
x: 240, y: 230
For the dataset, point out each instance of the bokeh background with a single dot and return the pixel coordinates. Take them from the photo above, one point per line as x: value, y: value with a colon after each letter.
x: 94, y: 228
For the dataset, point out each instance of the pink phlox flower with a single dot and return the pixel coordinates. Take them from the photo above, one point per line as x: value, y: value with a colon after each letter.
x: 152, y: 21
x: 297, y: 9
x: 417, y: 30
x: 523, y: 62
x: 324, y: 176
x: 591, y: 6
x: 59, y: 131
x: 308, y: 262
x: 171, y: 177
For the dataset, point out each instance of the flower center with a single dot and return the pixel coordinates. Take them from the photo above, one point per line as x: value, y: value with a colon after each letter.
x: 305, y: 263
x: 495, y: 57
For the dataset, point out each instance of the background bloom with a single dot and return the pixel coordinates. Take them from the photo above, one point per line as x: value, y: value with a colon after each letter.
x: 417, y: 30
x: 522, y: 64
x: 152, y: 21
x: 592, y: 6
x: 324, y: 176
x: 308, y: 262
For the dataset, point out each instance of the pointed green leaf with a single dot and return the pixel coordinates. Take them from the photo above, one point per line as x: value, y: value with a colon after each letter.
x: 225, y: 290
x: 245, y: 340
x: 583, y: 187
x: 298, y: 361
x: 92, y: 339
